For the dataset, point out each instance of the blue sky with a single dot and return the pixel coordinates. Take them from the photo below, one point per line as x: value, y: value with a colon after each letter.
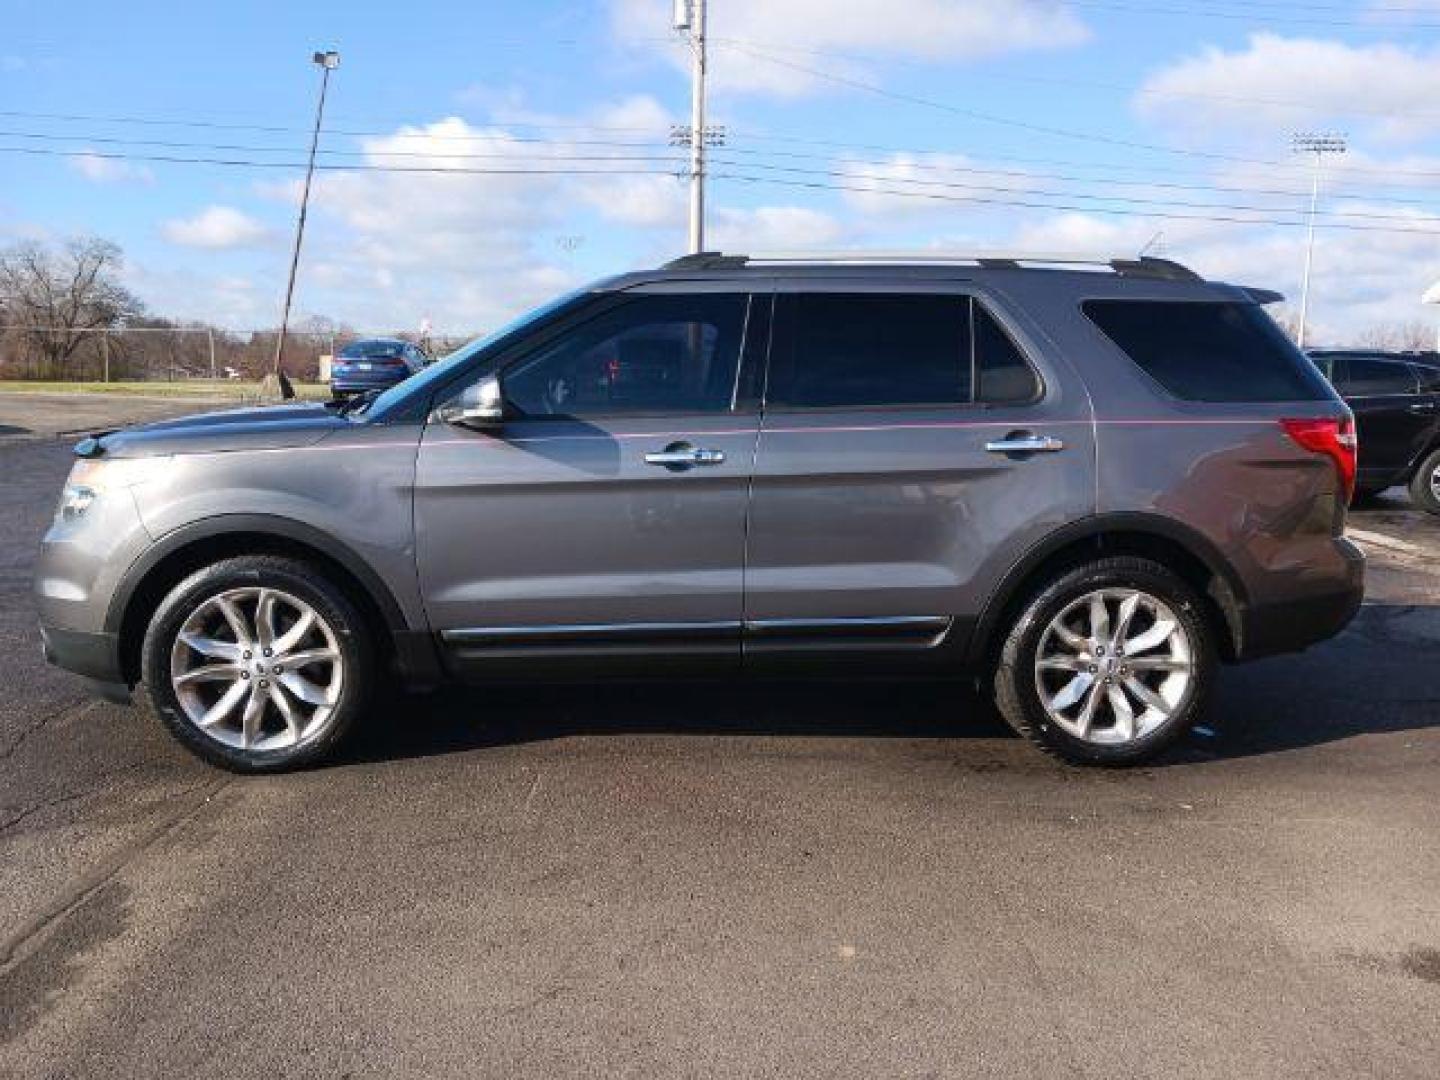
x: 1077, y: 125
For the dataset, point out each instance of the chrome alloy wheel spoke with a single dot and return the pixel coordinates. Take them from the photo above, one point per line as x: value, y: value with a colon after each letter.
x: 1113, y: 666
x: 257, y: 668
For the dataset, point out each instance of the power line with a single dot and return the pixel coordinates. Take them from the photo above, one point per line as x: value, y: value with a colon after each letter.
x: 658, y: 136
x: 1133, y: 199
x: 1068, y: 133
x: 742, y: 177
x: 1030, y: 204
x: 175, y: 159
x: 1052, y: 80
x: 1260, y: 16
x: 991, y: 118
x: 1027, y: 174
x: 247, y: 148
x: 528, y: 169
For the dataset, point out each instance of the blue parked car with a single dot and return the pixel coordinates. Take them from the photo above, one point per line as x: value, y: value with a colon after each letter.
x: 374, y: 364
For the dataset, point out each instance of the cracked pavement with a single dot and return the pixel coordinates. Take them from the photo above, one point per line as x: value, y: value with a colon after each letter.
x: 780, y: 879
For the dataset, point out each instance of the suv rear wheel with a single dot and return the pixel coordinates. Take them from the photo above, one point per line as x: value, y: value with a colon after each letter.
x: 1109, y: 663
x: 1425, y: 484
x: 257, y: 664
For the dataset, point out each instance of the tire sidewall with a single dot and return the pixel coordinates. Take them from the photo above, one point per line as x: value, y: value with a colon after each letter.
x: 292, y: 577
x: 1421, y: 493
x: 1119, y: 573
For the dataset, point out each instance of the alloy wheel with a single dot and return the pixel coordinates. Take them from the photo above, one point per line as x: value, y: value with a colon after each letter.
x: 1113, y: 666
x: 257, y: 669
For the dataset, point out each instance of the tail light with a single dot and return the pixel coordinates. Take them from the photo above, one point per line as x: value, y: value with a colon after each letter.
x: 1335, y: 438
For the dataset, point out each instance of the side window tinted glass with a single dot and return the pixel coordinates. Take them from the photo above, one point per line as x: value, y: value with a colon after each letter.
x: 651, y: 354
x: 1368, y: 377
x: 1429, y: 378
x: 866, y: 349
x: 1209, y: 351
x: 1002, y: 375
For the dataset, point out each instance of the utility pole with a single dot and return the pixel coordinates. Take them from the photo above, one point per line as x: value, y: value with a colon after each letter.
x: 690, y: 16
x: 1318, y: 145
x: 327, y: 62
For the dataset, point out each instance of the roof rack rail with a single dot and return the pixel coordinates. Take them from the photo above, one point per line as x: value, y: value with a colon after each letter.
x: 1143, y: 266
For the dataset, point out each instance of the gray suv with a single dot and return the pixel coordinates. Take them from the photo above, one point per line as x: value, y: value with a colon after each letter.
x: 1085, y: 485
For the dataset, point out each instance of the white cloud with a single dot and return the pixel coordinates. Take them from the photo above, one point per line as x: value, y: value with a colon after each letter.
x: 774, y: 228
x: 466, y: 245
x: 1255, y: 89
x: 937, y: 184
x: 216, y: 227
x: 109, y: 170
x: 817, y: 34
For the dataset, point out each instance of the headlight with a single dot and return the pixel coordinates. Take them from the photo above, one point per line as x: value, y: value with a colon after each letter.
x: 92, y: 478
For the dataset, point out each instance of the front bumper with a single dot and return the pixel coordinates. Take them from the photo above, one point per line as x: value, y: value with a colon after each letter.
x: 1299, y: 622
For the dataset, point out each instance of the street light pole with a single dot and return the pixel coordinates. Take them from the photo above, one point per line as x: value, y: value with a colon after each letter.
x: 1319, y: 145
x: 328, y: 62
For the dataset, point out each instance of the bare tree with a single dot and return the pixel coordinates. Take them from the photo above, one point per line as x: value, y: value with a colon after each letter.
x: 1413, y: 336
x: 59, y: 297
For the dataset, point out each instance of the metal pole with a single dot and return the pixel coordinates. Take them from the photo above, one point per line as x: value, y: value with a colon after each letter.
x: 210, y: 336
x: 1309, y: 252
x: 285, y: 388
x: 697, y: 127
x: 105, y: 351
x: 1319, y: 144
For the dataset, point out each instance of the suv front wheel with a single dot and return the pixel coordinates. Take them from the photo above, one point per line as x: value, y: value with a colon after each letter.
x: 1110, y: 663
x: 257, y: 663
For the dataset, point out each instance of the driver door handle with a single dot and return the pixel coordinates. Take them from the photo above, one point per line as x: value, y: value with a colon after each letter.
x: 1025, y: 443
x: 682, y: 455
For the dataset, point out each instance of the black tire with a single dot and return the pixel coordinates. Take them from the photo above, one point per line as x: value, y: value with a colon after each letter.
x: 1018, y: 697
x: 300, y: 580
x: 1425, y: 482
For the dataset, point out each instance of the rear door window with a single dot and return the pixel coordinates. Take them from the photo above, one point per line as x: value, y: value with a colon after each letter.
x: 1209, y: 351
x: 868, y: 350
x: 1366, y: 376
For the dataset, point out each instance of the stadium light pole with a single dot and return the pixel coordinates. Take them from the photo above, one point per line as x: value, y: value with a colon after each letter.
x: 1319, y: 145
x: 327, y: 62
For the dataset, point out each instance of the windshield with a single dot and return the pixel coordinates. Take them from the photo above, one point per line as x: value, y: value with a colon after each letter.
x: 442, y: 369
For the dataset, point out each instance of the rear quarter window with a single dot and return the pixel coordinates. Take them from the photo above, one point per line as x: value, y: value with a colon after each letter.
x: 1209, y: 351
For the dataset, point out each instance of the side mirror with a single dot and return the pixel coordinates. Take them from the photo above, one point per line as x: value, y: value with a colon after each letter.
x: 478, y: 407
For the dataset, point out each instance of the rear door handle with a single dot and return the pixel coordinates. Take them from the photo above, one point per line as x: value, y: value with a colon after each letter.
x: 1022, y: 443
x: 1422, y: 407
x: 682, y: 455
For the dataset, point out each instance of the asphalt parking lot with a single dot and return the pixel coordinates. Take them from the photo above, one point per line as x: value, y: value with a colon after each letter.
x: 866, y: 880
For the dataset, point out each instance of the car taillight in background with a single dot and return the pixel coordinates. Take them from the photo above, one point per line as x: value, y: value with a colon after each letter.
x: 1335, y: 438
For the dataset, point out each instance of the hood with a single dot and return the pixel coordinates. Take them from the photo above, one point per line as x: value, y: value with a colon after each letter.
x: 267, y: 427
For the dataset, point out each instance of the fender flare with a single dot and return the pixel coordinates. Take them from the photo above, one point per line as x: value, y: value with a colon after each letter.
x: 414, y: 650
x: 1232, y: 601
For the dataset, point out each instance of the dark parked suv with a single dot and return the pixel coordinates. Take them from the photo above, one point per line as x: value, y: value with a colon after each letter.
x: 1084, y: 485
x: 1396, y: 401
